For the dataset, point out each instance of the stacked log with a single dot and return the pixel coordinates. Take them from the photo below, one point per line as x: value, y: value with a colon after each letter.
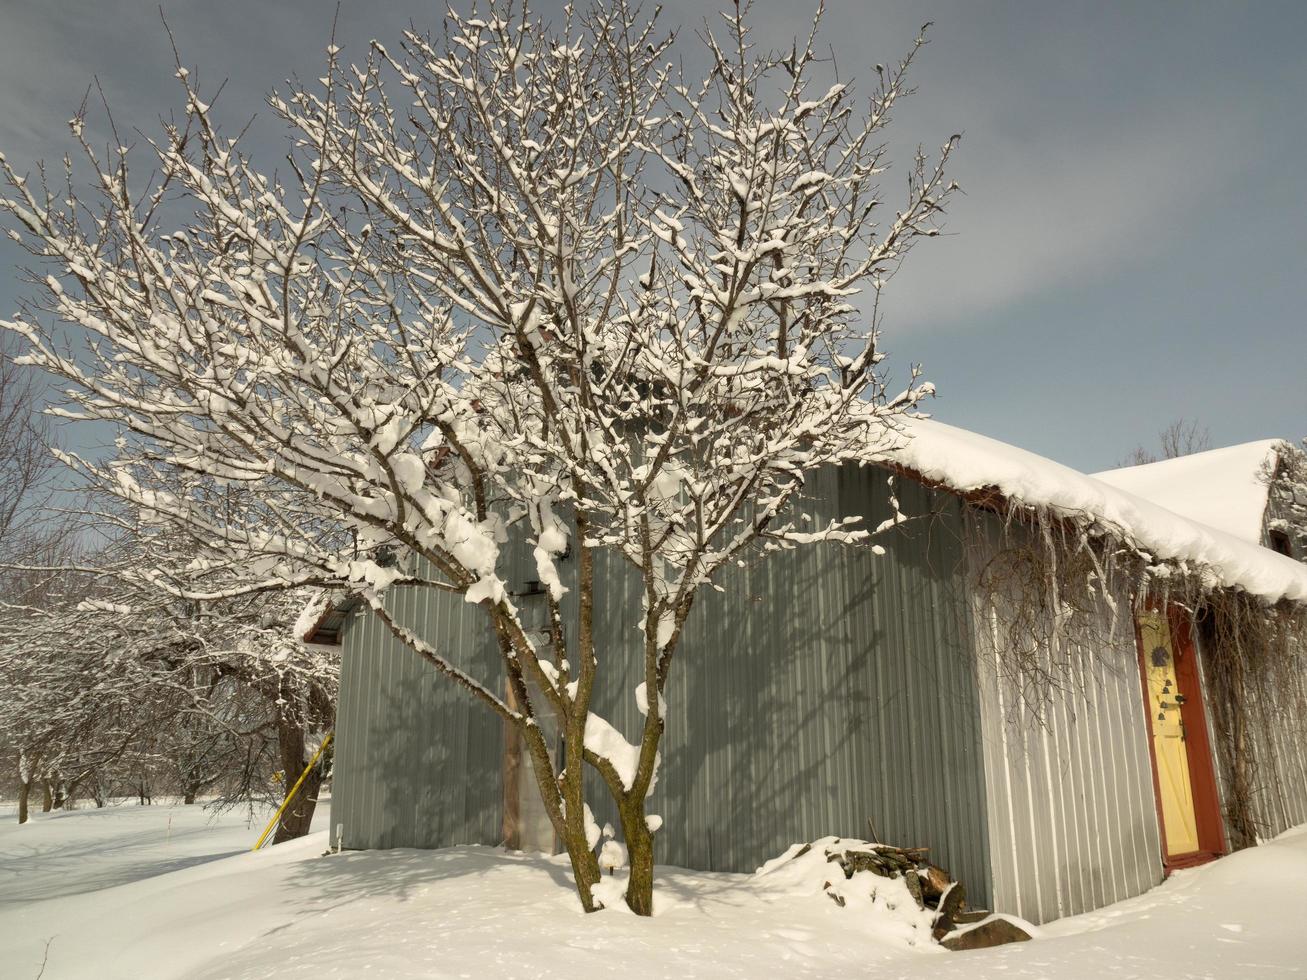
x: 932, y: 887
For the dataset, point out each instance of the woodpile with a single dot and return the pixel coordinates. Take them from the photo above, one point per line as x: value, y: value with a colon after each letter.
x: 930, y: 886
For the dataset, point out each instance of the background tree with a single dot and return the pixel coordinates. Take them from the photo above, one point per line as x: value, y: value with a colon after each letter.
x: 1181, y: 438
x: 117, y: 684
x: 64, y: 714
x: 27, y: 467
x: 28, y: 535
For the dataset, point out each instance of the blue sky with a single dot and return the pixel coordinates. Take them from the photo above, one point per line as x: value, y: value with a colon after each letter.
x: 1131, y: 248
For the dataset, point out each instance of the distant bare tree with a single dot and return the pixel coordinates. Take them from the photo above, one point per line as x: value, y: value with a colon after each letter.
x: 1181, y: 438
x: 26, y: 464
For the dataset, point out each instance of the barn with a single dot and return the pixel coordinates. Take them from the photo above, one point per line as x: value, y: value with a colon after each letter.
x: 1061, y: 688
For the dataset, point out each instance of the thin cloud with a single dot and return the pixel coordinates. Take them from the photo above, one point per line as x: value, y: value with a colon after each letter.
x: 1041, y: 216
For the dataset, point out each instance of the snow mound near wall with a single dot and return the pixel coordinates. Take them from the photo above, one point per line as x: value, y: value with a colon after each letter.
x: 882, y: 906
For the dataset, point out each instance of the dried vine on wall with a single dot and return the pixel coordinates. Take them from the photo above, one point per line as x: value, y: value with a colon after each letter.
x: 1255, y: 659
x: 1066, y: 593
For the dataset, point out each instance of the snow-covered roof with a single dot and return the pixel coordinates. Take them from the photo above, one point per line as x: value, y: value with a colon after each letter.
x: 323, y: 618
x: 965, y: 461
x: 1224, y: 488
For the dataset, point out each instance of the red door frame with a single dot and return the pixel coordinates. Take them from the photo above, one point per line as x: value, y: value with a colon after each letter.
x: 1198, y: 748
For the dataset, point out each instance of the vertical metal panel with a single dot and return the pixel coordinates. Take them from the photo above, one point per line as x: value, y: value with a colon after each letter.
x: 1072, y: 822
x: 822, y: 688
x: 408, y: 740
x: 1281, y: 735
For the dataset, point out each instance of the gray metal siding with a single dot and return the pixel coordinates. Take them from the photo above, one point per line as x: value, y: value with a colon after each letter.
x: 407, y: 739
x: 1072, y: 819
x: 823, y: 687
x: 1280, y: 739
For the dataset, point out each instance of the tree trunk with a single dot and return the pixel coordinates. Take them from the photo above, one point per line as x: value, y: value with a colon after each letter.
x: 297, y: 817
x: 24, y: 790
x: 188, y: 796
x: 640, y: 854
x: 569, y: 825
x: 564, y: 804
x: 47, y: 800
x: 585, y: 867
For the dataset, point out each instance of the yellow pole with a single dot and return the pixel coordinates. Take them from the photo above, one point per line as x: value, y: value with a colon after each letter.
x: 291, y: 795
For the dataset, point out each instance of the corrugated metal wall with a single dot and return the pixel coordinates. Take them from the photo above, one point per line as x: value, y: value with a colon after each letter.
x: 826, y: 686
x: 823, y: 688
x: 1072, y: 817
x: 1280, y: 747
x: 407, y: 739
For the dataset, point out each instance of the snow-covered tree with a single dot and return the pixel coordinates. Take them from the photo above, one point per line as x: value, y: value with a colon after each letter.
x: 62, y: 716
x: 519, y: 281
x: 1286, y: 480
x: 112, y: 678
x: 243, y: 697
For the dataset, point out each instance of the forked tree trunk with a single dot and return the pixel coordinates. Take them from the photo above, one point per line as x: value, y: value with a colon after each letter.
x: 632, y: 804
x: 585, y: 866
x: 188, y: 796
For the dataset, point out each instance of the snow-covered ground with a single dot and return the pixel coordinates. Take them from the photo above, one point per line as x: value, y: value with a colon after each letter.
x: 162, y: 892
x: 86, y: 850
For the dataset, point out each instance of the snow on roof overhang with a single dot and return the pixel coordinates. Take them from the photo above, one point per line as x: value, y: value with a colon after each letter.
x: 323, y: 620
x: 967, y: 463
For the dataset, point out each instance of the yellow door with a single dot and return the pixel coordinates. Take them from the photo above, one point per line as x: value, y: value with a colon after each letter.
x: 1169, y: 749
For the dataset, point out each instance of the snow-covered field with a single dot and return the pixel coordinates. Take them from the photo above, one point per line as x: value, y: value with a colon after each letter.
x: 146, y: 892
x: 87, y: 850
